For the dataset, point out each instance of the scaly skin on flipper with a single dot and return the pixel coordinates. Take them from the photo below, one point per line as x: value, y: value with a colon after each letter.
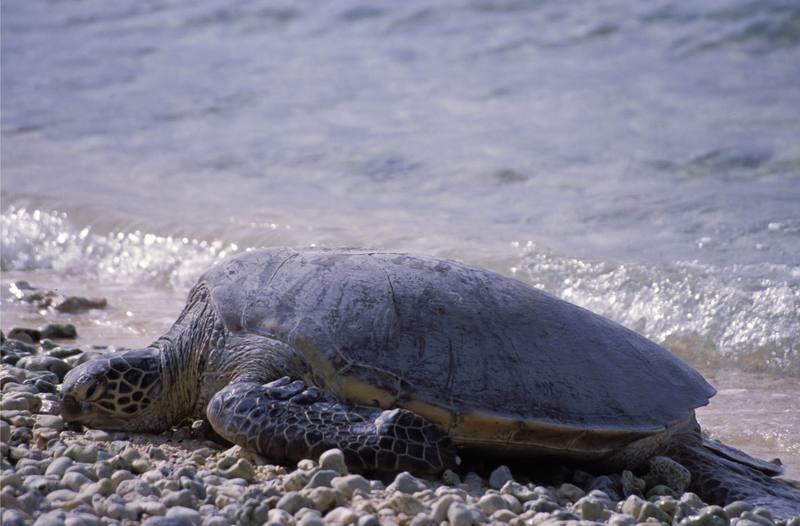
x: 286, y: 421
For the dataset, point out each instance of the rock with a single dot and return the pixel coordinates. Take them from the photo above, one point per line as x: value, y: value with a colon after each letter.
x: 322, y: 478
x: 650, y: 510
x: 119, y: 511
x: 405, y: 482
x: 692, y: 500
x: 368, y: 520
x: 293, y: 501
x: 184, y: 514
x: 65, y: 331
x: 323, y: 499
x: 441, y: 506
x: 341, y: 516
x: 24, y: 335
x: 736, y: 508
x: 620, y: 519
x: 764, y: 512
x: 177, y: 498
x: 756, y: 517
x: 333, y: 459
x: 570, y: 492
x: 46, y: 363
x: 661, y: 490
x: 591, y: 509
x: 82, y: 519
x: 58, y: 467
x: 459, y: 515
x: 280, y: 516
x: 77, y: 304
x: 492, y: 502
x: 541, y: 504
x: 474, y: 481
x: 517, y: 490
x: 5, y: 431
x: 74, y: 480
x: 310, y: 520
x: 405, y: 504
x: 348, y: 484
x: 499, y: 477
x: 50, y: 421
x: 52, y: 518
x: 20, y: 401
x: 82, y: 452
x: 241, y: 469
x: 632, y: 506
x: 450, y: 478
x: 98, y: 435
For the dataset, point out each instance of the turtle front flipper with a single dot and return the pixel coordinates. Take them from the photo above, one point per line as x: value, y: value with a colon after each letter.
x: 287, y: 421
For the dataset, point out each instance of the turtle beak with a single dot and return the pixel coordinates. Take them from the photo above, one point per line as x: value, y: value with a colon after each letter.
x: 87, y: 414
x: 71, y: 409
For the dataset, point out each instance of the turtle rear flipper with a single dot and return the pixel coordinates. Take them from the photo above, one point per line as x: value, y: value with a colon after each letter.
x: 772, y: 469
x: 720, y: 475
x: 287, y: 421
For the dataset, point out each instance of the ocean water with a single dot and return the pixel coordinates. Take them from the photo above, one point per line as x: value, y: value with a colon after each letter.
x: 641, y: 159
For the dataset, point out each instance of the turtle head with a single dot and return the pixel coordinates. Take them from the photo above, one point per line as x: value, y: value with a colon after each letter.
x: 119, y: 390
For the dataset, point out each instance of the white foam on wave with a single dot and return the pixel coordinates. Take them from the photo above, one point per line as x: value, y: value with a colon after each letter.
x: 35, y: 239
x: 749, y: 314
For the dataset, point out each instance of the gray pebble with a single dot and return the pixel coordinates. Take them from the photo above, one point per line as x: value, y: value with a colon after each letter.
x: 280, y: 516
x: 459, y: 515
x: 405, y: 482
x: 499, y: 477
x: 348, y: 484
x: 183, y: 513
x: 310, y: 520
x: 116, y: 510
x: 46, y: 363
x: 292, y: 502
x: 12, y: 517
x: 40, y: 483
x: 322, y: 477
x: 492, y: 502
x: 450, y: 478
x: 82, y: 519
x: 5, y: 431
x: 368, y: 520
x: 61, y: 495
x: 82, y: 452
x: 570, y: 492
x: 736, y: 508
x: 50, y: 421
x: 58, y: 467
x: 333, y: 459
x: 52, y: 518
x: 242, y: 468
x: 98, y: 435
x: 756, y: 517
x: 474, y: 481
x: 177, y: 498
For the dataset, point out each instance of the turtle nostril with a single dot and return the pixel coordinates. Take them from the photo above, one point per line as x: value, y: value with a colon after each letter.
x: 70, y: 406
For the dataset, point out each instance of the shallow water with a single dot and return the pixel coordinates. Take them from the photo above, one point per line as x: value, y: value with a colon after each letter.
x: 639, y: 159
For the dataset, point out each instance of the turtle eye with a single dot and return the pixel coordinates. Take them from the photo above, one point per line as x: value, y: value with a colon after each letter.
x: 94, y: 392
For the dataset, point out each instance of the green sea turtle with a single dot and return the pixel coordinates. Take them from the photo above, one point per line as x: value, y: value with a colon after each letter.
x: 403, y: 361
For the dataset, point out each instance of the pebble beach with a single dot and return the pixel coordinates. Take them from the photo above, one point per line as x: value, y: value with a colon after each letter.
x: 55, y: 473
